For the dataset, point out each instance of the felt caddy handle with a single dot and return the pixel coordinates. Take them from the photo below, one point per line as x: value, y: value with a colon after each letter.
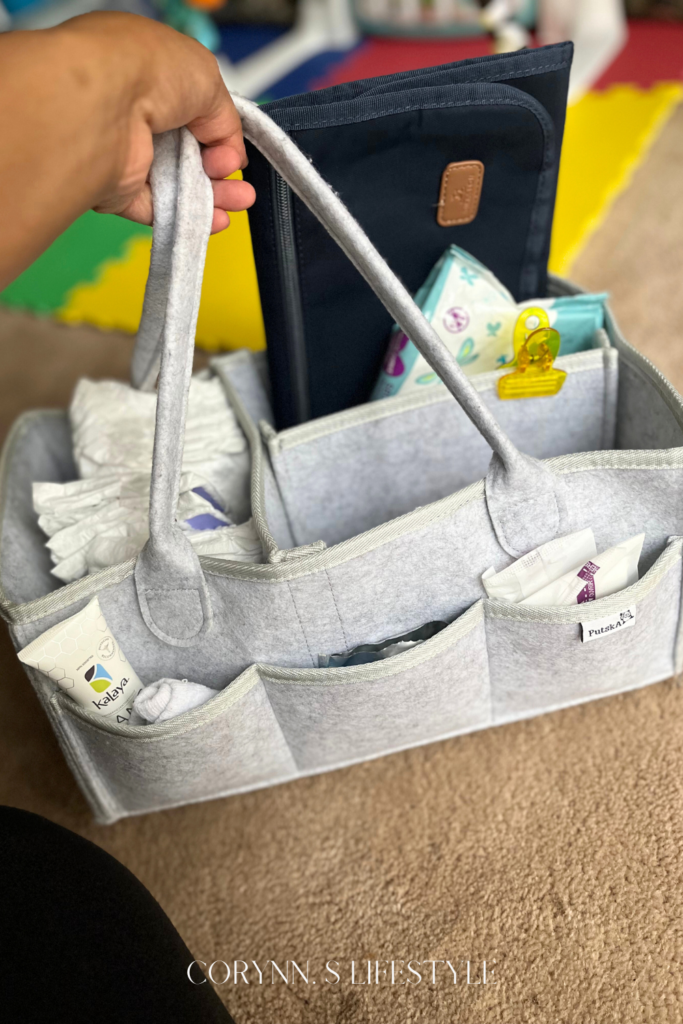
x: 524, y: 499
x: 170, y: 583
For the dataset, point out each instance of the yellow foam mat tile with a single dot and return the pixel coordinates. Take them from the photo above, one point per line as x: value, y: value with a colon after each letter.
x: 607, y: 136
x: 230, y: 310
x: 114, y: 300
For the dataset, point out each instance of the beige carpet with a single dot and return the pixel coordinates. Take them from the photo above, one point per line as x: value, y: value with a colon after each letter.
x: 552, y: 847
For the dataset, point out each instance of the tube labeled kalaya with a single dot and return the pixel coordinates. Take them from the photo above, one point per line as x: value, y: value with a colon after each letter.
x: 82, y: 656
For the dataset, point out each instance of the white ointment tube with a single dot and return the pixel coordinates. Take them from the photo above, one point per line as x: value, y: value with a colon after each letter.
x: 81, y: 655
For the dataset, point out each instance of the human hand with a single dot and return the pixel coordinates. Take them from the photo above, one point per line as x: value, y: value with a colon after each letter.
x: 174, y: 81
x: 80, y: 104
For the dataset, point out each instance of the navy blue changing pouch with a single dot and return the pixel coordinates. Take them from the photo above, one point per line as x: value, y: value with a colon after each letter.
x: 384, y: 144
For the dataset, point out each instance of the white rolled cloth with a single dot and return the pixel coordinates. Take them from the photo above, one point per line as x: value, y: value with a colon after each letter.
x: 169, y: 698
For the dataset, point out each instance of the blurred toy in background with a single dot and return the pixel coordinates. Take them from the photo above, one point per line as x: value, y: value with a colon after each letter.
x: 35, y: 14
x: 24, y: 14
x: 188, y: 16
x: 424, y: 18
x: 318, y: 27
x: 597, y: 27
x: 192, y: 18
x: 507, y: 21
x: 598, y: 30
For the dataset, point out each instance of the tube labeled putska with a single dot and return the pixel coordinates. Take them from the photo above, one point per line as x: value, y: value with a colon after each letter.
x: 82, y: 656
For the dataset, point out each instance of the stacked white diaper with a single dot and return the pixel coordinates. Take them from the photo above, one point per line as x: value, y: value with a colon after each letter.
x: 101, y: 519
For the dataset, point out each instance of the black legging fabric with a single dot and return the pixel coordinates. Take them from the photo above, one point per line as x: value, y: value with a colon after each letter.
x: 84, y: 941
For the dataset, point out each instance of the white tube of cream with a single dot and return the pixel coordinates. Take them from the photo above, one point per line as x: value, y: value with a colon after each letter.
x: 541, y: 566
x: 81, y: 655
x: 613, y: 570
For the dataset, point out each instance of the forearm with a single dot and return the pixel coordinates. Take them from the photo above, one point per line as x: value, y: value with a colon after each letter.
x: 65, y: 134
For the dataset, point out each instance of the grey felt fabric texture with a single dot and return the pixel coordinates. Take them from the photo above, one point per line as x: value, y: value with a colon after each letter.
x: 238, y: 748
x: 278, y: 520
x: 540, y: 664
x: 40, y: 446
x: 329, y: 722
x: 247, y: 395
x: 170, y: 583
x: 407, y: 551
x: 164, y: 183
x: 244, y: 372
x: 364, y: 472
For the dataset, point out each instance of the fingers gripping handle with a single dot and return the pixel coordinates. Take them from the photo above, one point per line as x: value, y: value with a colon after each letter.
x: 171, y: 586
x: 524, y: 498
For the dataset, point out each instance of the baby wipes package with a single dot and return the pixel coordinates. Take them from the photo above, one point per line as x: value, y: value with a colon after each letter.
x: 540, y: 567
x: 605, y: 574
x: 83, y: 657
x: 475, y: 315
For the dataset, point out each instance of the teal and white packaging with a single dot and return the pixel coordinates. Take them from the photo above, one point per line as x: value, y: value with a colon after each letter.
x: 475, y: 316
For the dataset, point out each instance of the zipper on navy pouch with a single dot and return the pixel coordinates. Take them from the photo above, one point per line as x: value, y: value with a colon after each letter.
x: 285, y: 243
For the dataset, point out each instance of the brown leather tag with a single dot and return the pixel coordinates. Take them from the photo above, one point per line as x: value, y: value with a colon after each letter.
x: 460, y: 192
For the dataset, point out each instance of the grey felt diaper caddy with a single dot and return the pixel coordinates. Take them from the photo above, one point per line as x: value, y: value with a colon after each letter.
x: 373, y: 521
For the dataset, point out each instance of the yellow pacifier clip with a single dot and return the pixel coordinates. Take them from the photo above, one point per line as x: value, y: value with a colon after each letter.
x: 536, y: 345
